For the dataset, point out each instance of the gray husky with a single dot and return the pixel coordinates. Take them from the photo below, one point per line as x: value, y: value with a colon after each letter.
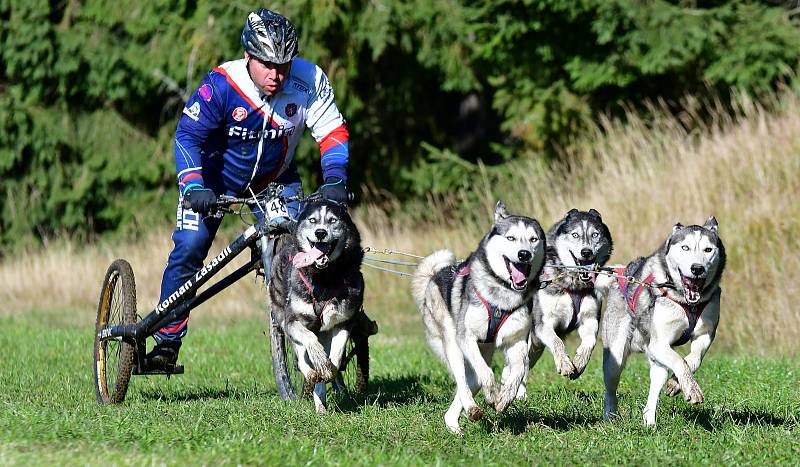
x: 471, y: 308
x: 317, y: 289
x: 673, y: 299
x: 568, y: 300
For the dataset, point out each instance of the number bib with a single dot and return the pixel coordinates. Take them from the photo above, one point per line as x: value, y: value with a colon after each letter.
x: 276, y: 208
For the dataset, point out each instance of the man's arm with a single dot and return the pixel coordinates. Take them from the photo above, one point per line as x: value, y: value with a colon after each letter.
x: 329, y: 129
x: 202, y: 114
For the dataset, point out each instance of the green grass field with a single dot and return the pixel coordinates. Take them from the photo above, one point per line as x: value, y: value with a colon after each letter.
x: 225, y: 409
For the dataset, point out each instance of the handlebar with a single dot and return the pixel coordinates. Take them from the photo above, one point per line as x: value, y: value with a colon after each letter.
x: 225, y: 201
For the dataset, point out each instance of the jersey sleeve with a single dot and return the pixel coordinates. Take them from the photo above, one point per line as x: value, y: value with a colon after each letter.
x: 202, y: 115
x: 329, y: 129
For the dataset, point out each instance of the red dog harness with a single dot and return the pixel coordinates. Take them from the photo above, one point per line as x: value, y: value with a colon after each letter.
x: 497, y: 317
x: 311, y: 291
x: 692, y: 312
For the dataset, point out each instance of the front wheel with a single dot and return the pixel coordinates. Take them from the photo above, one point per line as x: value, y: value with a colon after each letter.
x: 353, y: 373
x: 287, y: 374
x: 113, y: 358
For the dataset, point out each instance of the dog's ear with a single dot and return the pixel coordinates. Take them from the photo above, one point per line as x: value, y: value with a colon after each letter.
x: 500, y: 211
x: 711, y: 224
x: 595, y: 214
x: 677, y: 227
x: 572, y: 212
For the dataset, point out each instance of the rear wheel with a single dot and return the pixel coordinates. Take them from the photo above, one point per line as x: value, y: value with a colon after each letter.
x: 113, y: 358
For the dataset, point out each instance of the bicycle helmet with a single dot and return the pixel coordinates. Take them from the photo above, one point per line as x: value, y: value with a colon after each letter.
x: 269, y: 37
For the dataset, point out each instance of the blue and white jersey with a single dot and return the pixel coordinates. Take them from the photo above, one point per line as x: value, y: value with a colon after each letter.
x: 233, y: 136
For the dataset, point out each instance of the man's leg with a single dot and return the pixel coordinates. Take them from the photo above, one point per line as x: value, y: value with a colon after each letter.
x: 192, y: 238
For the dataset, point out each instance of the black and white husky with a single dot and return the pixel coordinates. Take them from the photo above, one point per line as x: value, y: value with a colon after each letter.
x: 568, y: 300
x: 317, y: 288
x: 471, y: 308
x: 674, y: 299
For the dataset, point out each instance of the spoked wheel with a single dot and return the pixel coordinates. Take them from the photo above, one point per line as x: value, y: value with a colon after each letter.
x: 113, y: 358
x: 353, y: 375
x: 288, y: 377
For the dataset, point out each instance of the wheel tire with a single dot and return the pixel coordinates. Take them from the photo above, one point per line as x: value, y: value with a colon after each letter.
x: 362, y: 367
x: 354, y: 374
x: 113, y: 359
x: 287, y: 374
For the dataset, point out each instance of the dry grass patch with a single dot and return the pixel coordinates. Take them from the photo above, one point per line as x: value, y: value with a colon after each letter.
x: 642, y: 176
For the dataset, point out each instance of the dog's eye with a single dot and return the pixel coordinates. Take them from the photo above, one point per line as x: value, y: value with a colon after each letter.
x: 333, y: 220
x: 534, y: 239
x: 708, y: 249
x: 685, y: 248
x: 311, y: 220
x: 511, y: 238
x: 595, y: 234
x: 575, y: 235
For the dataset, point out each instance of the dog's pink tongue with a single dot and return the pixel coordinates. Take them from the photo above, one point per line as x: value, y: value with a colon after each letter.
x: 517, y: 276
x: 303, y: 258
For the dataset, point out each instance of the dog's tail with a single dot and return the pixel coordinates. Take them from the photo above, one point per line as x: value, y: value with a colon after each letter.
x: 429, y: 266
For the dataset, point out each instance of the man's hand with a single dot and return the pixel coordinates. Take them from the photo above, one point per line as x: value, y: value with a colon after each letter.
x: 334, y: 190
x: 200, y: 200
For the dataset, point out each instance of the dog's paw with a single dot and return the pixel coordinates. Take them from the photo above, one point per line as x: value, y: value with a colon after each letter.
x: 692, y: 392
x: 522, y: 393
x: 455, y: 429
x: 672, y: 388
x: 310, y: 380
x: 321, y: 409
x: 328, y: 371
x: 451, y: 418
x: 649, y: 418
x: 474, y: 413
x: 565, y: 367
x: 503, y: 403
x: 490, y: 393
x: 577, y: 373
x: 506, y: 396
x: 579, y: 362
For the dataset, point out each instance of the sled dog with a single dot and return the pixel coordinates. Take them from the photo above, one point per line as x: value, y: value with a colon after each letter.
x: 473, y: 307
x: 316, y: 290
x: 568, y: 300
x: 674, y: 298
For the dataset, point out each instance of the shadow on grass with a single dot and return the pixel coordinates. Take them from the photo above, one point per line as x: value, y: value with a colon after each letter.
x: 712, y: 419
x: 518, y: 421
x: 573, y: 412
x: 385, y: 392
x: 188, y: 394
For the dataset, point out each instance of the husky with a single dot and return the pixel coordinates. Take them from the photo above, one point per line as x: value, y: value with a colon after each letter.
x: 473, y: 307
x: 316, y: 290
x: 674, y: 298
x: 568, y: 300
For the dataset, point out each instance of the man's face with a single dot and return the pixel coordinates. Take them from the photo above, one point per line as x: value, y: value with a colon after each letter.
x: 267, y: 76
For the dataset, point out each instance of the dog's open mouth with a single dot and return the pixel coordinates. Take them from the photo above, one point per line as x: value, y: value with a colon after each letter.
x: 325, y: 249
x: 518, y: 273
x: 317, y: 255
x: 692, y: 287
x: 584, y: 275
